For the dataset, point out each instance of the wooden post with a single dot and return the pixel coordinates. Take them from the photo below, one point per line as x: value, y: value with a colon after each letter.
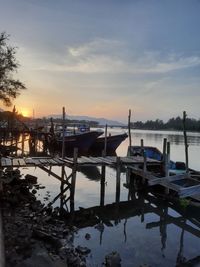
x: 23, y: 143
x: 129, y: 131
x: 63, y: 132
x: 102, y: 192
x: 73, y: 181
x: 164, y: 154
x: 63, y: 167
x: 144, y: 159
x: 105, y: 143
x: 167, y: 163
x: 118, y: 180
x: 185, y: 140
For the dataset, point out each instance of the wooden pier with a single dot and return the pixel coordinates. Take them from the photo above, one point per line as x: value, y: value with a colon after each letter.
x: 184, y: 184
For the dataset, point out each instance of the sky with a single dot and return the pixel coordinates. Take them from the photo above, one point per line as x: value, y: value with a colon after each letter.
x: 101, y: 58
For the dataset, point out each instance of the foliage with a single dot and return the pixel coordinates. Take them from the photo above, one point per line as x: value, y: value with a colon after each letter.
x: 171, y: 124
x: 184, y: 202
x: 9, y: 87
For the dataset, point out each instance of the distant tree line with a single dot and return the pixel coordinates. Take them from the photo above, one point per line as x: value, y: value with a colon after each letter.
x: 171, y: 124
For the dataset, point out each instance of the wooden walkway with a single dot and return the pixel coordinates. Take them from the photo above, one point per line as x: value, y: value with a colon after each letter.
x: 184, y: 184
x: 82, y: 161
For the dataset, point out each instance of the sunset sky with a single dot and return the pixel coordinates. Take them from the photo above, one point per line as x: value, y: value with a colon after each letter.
x: 103, y: 57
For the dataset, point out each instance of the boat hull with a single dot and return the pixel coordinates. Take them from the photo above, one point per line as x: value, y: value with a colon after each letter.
x: 82, y: 142
x: 113, y: 143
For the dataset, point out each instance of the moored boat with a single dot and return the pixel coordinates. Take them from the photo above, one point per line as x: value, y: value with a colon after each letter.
x: 80, y: 140
x: 112, y: 143
x: 154, y: 153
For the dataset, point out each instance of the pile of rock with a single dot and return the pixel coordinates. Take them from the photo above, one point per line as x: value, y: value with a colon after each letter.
x: 35, y: 235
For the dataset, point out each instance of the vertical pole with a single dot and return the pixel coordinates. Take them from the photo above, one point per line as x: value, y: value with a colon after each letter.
x: 105, y: 143
x: 167, y: 163
x: 118, y: 180
x: 23, y: 143
x: 144, y: 159
x: 102, y: 196
x: 63, y: 167
x: 185, y: 140
x: 63, y: 134
x: 129, y: 131
x: 164, y: 155
x: 73, y: 182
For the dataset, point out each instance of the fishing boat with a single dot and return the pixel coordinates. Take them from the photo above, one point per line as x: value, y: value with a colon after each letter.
x: 112, y: 143
x: 80, y: 139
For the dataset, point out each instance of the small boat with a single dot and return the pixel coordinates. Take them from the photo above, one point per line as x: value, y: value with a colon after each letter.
x: 154, y: 153
x: 112, y: 143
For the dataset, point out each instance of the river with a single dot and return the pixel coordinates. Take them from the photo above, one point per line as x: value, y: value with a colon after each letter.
x: 145, y: 238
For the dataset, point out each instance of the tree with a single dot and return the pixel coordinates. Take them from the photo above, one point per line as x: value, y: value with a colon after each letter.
x: 9, y: 87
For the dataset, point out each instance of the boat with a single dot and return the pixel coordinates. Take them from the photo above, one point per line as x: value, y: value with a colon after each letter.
x: 82, y: 140
x: 112, y: 143
x: 154, y: 153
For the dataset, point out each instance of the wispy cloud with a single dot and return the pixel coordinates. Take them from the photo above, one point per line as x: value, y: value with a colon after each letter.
x: 111, y: 56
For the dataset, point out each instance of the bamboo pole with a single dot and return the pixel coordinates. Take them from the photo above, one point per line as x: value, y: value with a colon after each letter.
x: 73, y: 181
x: 63, y: 167
x: 167, y: 162
x: 129, y: 132
x: 63, y: 134
x: 185, y: 140
x: 118, y: 180
x: 102, y: 189
x: 105, y: 143
x: 164, y: 154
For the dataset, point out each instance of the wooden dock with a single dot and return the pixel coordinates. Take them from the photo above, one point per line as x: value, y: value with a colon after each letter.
x: 69, y: 162
x: 184, y: 184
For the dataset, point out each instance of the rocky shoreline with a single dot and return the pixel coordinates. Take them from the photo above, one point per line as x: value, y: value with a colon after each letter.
x: 36, y: 235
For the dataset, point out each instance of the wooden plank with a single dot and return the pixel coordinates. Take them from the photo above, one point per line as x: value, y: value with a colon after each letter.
x: 189, y: 191
x: 15, y: 162
x: 169, y: 185
x: 43, y: 161
x: 89, y: 159
x: 106, y: 161
x: 140, y: 172
x: 3, y: 162
x: 22, y: 162
x: 169, y: 179
x: 8, y: 162
x: 29, y: 161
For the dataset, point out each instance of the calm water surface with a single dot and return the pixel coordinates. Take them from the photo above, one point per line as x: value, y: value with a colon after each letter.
x: 152, y: 238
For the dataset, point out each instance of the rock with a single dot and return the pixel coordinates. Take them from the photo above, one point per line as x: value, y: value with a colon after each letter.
x: 83, y: 250
x: 31, y: 179
x: 113, y: 260
x: 34, y: 191
x: 55, y: 242
x: 42, y: 260
x: 87, y: 236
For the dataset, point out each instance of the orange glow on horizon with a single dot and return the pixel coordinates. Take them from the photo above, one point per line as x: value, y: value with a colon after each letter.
x: 24, y: 112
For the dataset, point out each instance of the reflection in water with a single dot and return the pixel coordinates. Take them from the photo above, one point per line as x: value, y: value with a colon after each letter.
x: 112, y: 215
x: 139, y: 205
x: 91, y: 172
x: 173, y: 137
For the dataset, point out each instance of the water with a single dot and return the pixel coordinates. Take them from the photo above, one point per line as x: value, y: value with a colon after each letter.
x: 159, y: 237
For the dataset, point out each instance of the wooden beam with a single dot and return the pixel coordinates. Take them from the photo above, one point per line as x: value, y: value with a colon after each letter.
x: 169, y: 179
x: 189, y: 191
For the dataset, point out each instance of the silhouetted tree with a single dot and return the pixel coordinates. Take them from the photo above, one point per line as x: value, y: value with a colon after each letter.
x: 9, y: 87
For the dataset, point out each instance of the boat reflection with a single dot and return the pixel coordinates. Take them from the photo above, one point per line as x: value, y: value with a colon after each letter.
x: 91, y: 172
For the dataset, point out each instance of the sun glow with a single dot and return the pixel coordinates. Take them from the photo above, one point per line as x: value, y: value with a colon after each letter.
x: 25, y: 112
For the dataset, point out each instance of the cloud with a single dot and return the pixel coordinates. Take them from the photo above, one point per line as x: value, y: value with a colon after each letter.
x: 112, y: 56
